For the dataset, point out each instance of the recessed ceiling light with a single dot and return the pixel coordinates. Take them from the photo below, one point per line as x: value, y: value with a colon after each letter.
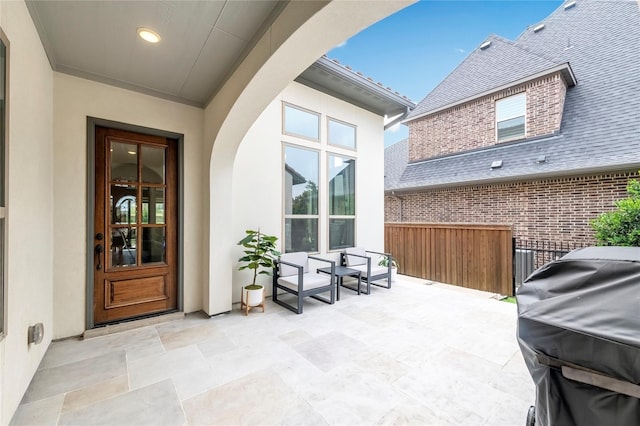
x: 148, y: 35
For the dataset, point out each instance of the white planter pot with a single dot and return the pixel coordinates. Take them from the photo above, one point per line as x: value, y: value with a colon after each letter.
x: 253, y: 297
x: 394, y: 274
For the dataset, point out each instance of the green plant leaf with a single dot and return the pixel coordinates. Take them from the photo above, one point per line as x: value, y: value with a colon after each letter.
x: 260, y: 254
x: 621, y: 227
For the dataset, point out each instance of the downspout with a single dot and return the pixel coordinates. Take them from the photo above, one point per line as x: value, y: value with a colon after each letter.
x: 398, y: 119
x: 401, y: 199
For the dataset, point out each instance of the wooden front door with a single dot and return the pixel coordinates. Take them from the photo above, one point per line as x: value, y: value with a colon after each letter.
x: 135, y: 235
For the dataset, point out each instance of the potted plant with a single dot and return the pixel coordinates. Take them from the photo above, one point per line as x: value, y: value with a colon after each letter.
x: 259, y: 255
x: 384, y: 261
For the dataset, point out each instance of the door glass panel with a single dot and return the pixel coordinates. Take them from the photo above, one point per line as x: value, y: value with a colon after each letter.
x: 123, y: 247
x: 124, y: 162
x: 153, y: 206
x: 153, y: 245
x: 123, y: 204
x: 152, y: 164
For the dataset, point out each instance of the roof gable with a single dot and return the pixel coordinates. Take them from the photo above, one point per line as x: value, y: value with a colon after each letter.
x: 501, y: 63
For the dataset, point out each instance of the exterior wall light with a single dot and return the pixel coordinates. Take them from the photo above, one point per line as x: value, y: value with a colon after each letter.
x: 35, y: 333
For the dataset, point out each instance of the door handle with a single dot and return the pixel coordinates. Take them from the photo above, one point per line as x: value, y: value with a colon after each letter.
x: 99, y: 250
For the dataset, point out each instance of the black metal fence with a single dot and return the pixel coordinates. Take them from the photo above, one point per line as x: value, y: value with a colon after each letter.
x: 529, y: 255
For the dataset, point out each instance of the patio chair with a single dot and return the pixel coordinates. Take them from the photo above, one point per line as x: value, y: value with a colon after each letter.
x: 292, y: 275
x: 370, y: 271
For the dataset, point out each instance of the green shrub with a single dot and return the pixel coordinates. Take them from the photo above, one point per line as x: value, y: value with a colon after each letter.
x: 621, y: 227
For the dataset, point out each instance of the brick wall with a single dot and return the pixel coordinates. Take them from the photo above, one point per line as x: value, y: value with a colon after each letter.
x: 546, y: 210
x: 472, y: 125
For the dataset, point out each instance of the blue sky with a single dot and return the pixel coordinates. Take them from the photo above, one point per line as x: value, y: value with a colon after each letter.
x: 417, y: 47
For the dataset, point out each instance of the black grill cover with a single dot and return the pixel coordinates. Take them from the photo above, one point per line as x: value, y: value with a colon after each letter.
x: 583, y: 309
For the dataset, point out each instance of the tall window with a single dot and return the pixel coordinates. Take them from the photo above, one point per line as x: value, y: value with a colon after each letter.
x: 3, y: 201
x: 510, y: 117
x: 342, y: 202
x: 342, y: 134
x: 301, y: 175
x: 301, y: 122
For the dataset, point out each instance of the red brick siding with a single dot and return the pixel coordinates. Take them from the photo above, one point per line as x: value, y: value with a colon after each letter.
x: 546, y: 210
x: 472, y: 125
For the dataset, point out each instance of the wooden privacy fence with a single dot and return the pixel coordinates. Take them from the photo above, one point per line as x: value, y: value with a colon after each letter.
x: 466, y: 255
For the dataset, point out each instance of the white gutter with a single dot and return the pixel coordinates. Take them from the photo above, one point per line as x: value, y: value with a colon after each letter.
x: 398, y: 119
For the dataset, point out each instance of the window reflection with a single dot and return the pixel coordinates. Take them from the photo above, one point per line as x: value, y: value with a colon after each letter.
x: 124, y: 161
x: 301, y: 235
x: 342, y: 134
x: 152, y: 164
x: 301, y: 199
x: 123, y: 247
x: 153, y: 245
x: 341, y: 233
x: 301, y: 181
x: 342, y: 186
x: 153, y: 206
x: 123, y: 204
x: 342, y: 202
x: 303, y: 123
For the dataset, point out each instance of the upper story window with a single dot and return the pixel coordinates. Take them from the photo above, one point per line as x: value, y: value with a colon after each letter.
x: 301, y: 122
x: 341, y: 134
x: 510, y: 117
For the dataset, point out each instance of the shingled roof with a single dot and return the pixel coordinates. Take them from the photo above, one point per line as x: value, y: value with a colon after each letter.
x: 395, y: 161
x: 501, y: 63
x: 600, y: 129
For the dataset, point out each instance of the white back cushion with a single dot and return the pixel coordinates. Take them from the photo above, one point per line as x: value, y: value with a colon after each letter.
x: 355, y: 260
x: 297, y: 258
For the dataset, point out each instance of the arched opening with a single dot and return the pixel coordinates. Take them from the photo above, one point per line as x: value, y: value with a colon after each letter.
x: 301, y: 34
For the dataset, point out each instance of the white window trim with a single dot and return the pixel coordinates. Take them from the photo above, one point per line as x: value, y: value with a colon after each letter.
x: 355, y: 134
x: 521, y: 94
x: 299, y: 108
x: 3, y: 208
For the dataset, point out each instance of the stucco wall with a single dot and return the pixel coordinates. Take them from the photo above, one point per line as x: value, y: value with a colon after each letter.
x: 29, y: 204
x: 258, y: 174
x: 302, y: 33
x: 75, y: 99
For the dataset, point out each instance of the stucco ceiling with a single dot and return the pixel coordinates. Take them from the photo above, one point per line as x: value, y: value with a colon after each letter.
x: 202, y: 42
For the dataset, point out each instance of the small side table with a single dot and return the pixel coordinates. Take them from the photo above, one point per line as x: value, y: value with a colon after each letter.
x: 341, y: 272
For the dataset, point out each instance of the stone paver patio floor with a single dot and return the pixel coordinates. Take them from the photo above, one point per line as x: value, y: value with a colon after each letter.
x: 418, y: 354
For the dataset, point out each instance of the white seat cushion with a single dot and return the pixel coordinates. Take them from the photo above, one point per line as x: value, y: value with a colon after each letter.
x: 297, y: 258
x: 310, y: 280
x: 356, y: 260
x: 375, y: 270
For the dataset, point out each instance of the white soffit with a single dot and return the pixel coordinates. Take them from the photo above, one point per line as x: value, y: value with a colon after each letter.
x: 202, y: 42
